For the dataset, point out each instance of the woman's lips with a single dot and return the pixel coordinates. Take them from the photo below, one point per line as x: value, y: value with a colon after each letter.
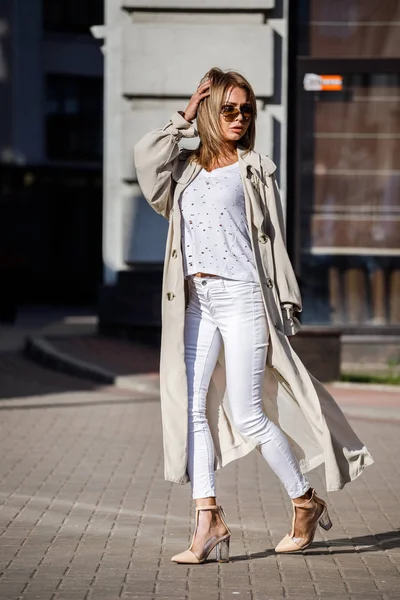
x: 237, y: 129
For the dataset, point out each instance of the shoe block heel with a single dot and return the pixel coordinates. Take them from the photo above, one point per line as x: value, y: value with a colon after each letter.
x: 325, y: 521
x: 222, y: 551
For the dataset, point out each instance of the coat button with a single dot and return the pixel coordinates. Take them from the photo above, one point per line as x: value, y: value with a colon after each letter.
x: 170, y: 295
x: 269, y: 283
x: 263, y: 238
x: 174, y: 253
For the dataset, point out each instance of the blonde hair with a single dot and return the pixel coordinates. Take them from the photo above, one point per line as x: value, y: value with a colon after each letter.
x: 208, y: 117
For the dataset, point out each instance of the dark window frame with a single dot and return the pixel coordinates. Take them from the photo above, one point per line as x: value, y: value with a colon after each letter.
x: 72, y: 16
x: 74, y: 128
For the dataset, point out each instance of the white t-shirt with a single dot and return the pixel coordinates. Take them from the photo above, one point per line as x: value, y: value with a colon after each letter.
x: 215, y: 234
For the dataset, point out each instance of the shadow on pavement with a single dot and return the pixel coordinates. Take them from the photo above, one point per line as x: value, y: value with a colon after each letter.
x: 20, y: 378
x: 387, y: 540
x: 72, y: 351
x: 360, y: 544
x: 252, y: 556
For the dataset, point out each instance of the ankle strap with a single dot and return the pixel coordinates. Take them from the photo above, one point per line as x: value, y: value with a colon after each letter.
x: 211, y: 507
x: 305, y: 502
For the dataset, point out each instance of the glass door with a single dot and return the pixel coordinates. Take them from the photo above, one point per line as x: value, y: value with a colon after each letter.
x: 348, y: 192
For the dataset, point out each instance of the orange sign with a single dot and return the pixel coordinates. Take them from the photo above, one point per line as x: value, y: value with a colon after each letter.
x: 322, y: 83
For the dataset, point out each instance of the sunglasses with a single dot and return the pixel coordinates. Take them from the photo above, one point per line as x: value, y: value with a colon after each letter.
x: 230, y: 113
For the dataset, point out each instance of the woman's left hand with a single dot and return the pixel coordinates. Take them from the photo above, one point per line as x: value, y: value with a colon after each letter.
x: 202, y: 92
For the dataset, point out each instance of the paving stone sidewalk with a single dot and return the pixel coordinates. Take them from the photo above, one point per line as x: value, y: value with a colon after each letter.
x: 85, y: 513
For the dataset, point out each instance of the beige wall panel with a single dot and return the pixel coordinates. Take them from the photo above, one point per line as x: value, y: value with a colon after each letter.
x: 202, y: 4
x: 188, y: 18
x: 165, y: 60
x: 264, y: 134
x: 144, y: 233
x: 138, y: 122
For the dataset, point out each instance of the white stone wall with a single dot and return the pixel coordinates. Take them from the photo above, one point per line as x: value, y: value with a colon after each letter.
x: 156, y: 53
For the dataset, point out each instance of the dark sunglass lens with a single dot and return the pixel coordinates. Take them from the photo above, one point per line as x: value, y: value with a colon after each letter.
x: 247, y: 112
x: 229, y: 113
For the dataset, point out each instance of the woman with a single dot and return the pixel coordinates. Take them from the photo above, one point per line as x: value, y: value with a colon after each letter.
x: 230, y: 380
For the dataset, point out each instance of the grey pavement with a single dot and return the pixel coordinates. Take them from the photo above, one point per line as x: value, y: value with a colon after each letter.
x: 85, y: 513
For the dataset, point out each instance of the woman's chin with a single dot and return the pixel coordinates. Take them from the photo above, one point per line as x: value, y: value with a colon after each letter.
x: 234, y: 137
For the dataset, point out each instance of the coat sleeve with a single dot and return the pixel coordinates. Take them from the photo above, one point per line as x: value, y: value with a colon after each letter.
x: 156, y: 156
x: 285, y: 278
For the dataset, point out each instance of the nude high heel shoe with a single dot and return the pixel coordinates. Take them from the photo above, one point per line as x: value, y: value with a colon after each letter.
x: 319, y: 516
x: 221, y: 544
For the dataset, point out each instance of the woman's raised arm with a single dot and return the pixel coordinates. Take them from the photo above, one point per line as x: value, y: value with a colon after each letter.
x: 155, y: 157
x: 156, y: 154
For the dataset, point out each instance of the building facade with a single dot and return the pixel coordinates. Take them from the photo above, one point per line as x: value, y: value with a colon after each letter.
x: 51, y: 147
x: 327, y: 78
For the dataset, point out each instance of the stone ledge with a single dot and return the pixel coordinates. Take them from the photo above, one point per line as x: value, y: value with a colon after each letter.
x: 319, y: 347
x: 44, y: 352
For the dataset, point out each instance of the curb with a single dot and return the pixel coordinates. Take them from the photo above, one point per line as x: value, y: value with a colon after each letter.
x: 374, y: 387
x: 43, y: 352
x: 373, y: 414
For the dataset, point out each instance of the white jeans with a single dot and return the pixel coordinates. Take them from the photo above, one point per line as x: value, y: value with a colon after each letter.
x: 223, y: 311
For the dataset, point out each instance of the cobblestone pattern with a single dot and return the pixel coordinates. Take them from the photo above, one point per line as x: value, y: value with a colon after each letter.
x: 86, y: 515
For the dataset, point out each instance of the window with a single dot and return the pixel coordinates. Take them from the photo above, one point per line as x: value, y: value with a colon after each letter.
x: 74, y: 117
x: 344, y: 28
x: 349, y: 202
x: 72, y: 16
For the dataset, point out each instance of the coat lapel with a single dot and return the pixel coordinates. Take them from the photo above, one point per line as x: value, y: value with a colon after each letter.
x: 251, y: 178
x: 189, y: 171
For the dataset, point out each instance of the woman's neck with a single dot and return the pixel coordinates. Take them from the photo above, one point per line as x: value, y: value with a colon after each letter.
x: 227, y: 156
x: 229, y: 149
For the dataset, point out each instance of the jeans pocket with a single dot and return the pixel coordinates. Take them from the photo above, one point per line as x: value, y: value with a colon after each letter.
x: 239, y: 289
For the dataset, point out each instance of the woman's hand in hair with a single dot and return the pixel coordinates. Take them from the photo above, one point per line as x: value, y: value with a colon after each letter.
x: 202, y: 92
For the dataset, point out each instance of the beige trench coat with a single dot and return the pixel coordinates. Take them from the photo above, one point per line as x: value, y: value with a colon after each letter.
x: 293, y: 398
